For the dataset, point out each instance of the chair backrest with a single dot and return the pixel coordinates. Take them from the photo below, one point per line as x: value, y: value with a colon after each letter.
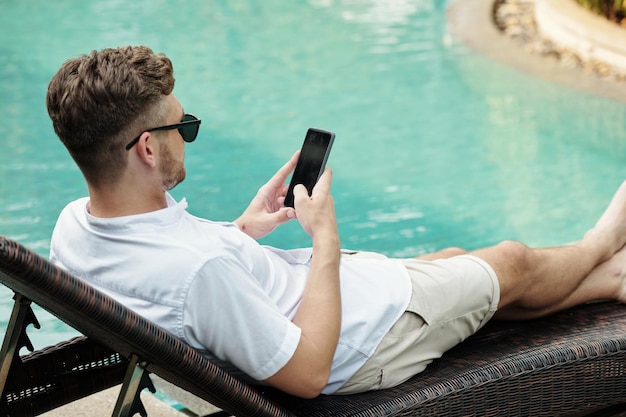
x: 103, y: 319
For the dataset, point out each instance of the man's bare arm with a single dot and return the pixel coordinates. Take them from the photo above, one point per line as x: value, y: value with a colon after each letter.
x: 319, y: 315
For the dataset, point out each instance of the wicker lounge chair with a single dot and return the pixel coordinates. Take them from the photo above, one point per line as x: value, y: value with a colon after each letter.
x: 573, y: 363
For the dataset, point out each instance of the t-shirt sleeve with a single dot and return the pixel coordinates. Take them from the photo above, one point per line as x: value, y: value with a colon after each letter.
x: 227, y: 312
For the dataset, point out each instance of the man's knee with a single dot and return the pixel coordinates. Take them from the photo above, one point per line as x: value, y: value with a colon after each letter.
x: 514, y: 256
x: 511, y: 261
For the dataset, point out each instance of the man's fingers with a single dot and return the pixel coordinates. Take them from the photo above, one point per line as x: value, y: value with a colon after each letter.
x: 281, y: 175
x: 300, y: 191
x: 323, y: 185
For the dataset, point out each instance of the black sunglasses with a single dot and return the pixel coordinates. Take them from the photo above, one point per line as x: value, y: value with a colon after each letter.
x: 188, y: 129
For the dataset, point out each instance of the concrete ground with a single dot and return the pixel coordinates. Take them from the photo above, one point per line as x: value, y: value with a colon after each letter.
x: 103, y: 403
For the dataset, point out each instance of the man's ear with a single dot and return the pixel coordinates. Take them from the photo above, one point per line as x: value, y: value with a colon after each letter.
x: 146, y: 149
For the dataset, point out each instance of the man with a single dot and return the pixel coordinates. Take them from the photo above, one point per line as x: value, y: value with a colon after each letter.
x: 306, y: 321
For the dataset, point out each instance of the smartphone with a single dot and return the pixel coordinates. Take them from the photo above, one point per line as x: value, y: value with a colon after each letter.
x: 311, y: 162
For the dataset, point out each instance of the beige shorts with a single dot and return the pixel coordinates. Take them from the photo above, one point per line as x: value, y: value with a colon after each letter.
x: 451, y: 300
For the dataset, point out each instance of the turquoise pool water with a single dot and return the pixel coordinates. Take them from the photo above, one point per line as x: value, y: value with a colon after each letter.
x: 436, y: 145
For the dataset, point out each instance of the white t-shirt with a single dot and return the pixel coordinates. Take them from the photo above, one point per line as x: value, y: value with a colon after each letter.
x: 213, y: 286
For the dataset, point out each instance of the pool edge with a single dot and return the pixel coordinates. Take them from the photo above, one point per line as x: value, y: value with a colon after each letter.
x: 471, y: 21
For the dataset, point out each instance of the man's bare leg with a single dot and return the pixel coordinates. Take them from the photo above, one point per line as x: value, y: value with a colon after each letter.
x: 605, y: 282
x: 441, y: 254
x: 536, y: 282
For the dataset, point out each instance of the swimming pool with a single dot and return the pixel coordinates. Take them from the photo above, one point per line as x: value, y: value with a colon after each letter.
x: 435, y: 146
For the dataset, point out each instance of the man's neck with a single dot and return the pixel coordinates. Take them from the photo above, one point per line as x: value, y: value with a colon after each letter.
x: 117, y: 201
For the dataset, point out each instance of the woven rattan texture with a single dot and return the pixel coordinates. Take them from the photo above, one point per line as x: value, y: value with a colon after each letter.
x: 573, y: 362
x: 54, y: 376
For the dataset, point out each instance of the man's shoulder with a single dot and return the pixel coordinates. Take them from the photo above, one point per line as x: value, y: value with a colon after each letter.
x: 71, y: 214
x: 80, y: 204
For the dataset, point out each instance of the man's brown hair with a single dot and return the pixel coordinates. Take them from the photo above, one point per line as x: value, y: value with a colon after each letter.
x: 101, y: 101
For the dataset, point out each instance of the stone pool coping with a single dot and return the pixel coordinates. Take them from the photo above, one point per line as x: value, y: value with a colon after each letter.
x: 588, y: 35
x: 471, y: 21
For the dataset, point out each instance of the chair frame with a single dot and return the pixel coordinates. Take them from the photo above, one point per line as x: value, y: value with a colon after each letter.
x: 571, y: 363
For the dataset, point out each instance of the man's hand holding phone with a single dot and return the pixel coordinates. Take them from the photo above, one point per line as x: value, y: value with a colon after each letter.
x: 274, y: 203
x: 311, y: 161
x: 319, y: 314
x: 316, y: 213
x: 266, y: 210
x: 309, y: 189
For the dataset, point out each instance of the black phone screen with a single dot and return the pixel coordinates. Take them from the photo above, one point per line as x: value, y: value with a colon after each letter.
x: 312, y: 160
